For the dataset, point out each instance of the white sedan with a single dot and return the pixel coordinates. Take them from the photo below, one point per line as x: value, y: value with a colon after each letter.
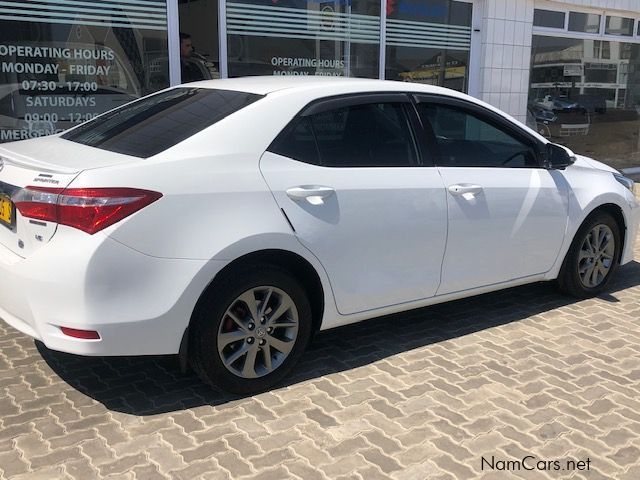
x: 227, y: 221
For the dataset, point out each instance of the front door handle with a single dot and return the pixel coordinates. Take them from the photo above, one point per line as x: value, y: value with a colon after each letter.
x: 314, y: 194
x: 462, y: 188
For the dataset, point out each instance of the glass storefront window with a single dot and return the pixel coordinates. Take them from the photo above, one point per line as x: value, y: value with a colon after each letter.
x: 61, y: 65
x: 429, y: 42
x: 303, y: 37
x: 619, y: 26
x: 548, y: 18
x: 584, y: 22
x: 585, y: 94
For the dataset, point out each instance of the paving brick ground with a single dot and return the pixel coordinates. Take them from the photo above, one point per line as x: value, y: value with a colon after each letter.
x: 420, y: 395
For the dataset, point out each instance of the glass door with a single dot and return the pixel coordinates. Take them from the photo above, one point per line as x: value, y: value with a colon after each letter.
x: 429, y: 42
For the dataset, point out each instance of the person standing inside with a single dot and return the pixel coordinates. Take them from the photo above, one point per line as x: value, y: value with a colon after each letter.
x: 192, y: 68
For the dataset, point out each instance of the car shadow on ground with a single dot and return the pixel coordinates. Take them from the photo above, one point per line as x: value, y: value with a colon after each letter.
x: 154, y: 385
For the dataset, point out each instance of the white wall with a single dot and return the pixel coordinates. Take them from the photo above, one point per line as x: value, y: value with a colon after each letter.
x: 506, y: 53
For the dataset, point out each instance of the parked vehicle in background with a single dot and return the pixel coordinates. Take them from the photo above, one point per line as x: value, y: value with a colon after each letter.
x: 592, y: 103
x: 557, y: 104
x: 227, y: 221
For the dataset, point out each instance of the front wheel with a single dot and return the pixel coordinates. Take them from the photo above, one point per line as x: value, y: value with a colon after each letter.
x: 593, y: 257
x: 250, y: 329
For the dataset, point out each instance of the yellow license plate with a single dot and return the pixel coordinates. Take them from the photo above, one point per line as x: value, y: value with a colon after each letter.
x: 6, y: 210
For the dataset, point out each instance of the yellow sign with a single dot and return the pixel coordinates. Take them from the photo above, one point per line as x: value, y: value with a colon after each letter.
x: 6, y: 210
x: 432, y: 73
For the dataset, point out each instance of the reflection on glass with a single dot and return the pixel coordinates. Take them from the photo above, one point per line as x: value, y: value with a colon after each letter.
x: 60, y: 70
x: 429, y: 42
x: 584, y: 22
x: 619, y: 26
x: 300, y: 37
x: 548, y: 18
x: 586, y: 94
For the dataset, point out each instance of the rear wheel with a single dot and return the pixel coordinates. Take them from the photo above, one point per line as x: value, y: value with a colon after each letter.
x: 250, y: 329
x: 593, y: 257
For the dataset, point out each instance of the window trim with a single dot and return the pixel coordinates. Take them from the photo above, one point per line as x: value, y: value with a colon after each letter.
x: 492, y: 118
x: 334, y: 102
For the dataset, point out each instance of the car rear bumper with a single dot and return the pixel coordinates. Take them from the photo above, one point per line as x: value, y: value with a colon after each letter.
x: 139, y: 305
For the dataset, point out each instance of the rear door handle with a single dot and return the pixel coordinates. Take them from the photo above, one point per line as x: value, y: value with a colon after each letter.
x: 462, y: 188
x: 314, y: 194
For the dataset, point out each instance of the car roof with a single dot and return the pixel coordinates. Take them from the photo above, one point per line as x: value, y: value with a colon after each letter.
x: 263, y: 85
x: 320, y: 86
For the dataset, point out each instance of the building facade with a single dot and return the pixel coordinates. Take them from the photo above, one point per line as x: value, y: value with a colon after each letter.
x: 569, y: 69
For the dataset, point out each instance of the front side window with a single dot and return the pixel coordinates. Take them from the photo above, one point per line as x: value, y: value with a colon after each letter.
x: 155, y: 123
x: 466, y: 140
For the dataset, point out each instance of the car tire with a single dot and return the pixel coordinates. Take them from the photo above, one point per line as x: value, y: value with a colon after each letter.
x: 575, y: 278
x: 224, y: 313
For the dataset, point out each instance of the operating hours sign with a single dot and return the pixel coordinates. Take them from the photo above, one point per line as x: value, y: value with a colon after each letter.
x: 63, y: 63
x: 49, y: 88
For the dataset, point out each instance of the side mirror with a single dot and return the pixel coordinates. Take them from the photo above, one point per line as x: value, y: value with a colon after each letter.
x: 558, y: 158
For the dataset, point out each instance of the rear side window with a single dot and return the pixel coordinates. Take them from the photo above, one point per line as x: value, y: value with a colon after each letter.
x: 158, y: 122
x: 366, y: 135
x: 297, y: 142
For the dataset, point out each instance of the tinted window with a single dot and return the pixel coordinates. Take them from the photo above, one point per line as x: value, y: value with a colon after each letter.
x: 465, y: 140
x: 297, y: 142
x: 548, y: 18
x: 619, y: 26
x: 155, y: 123
x: 372, y: 135
x: 584, y: 22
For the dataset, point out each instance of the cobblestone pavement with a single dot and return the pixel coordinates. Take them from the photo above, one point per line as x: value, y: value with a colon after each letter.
x: 420, y: 395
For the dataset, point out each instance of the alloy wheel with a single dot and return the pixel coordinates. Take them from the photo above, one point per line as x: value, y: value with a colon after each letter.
x: 258, y: 332
x: 596, y: 256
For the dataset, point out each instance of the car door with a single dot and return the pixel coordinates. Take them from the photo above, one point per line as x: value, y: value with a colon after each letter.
x: 507, y: 214
x: 347, y: 174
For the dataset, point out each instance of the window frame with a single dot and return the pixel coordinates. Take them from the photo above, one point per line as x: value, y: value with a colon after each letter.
x: 554, y: 10
x: 634, y: 25
x: 488, y: 116
x: 336, y: 102
x: 601, y: 35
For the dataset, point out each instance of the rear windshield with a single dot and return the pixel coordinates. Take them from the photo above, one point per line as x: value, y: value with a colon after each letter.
x: 153, y: 124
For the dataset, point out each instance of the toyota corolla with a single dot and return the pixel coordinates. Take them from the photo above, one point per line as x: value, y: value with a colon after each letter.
x: 228, y: 221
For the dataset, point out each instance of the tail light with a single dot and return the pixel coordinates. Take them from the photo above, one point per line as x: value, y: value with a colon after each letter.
x: 83, y: 334
x: 87, y: 209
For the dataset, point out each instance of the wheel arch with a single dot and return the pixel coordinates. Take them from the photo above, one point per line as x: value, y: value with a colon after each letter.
x: 301, y: 268
x: 617, y: 213
x: 293, y: 262
x: 612, y: 209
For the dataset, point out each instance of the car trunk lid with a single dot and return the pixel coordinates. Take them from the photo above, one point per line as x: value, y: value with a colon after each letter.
x: 51, y: 163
